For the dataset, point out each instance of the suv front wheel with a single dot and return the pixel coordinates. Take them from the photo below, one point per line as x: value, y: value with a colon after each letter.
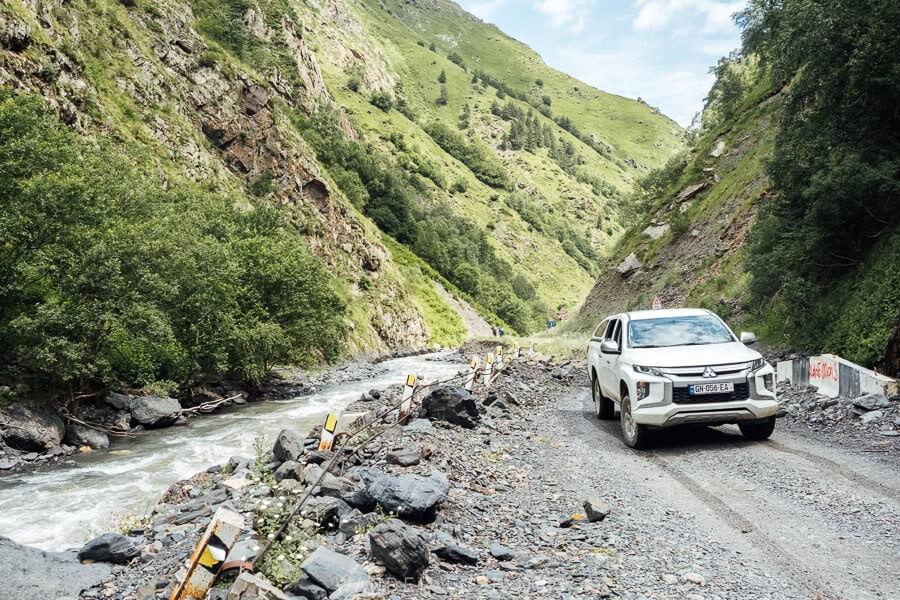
x: 634, y: 434
x: 757, y: 430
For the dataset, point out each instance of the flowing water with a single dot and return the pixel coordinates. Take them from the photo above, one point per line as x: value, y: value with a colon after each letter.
x: 58, y: 508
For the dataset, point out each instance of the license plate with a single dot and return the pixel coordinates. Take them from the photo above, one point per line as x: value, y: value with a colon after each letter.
x: 710, y: 388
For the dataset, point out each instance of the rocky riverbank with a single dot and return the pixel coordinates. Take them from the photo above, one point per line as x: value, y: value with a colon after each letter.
x: 34, y: 434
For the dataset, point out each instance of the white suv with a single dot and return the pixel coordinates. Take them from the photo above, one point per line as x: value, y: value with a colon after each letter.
x: 678, y: 366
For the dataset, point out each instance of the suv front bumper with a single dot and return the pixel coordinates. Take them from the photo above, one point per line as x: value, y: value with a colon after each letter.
x: 659, y: 409
x: 713, y: 412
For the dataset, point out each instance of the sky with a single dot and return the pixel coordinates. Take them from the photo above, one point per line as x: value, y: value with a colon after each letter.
x: 659, y: 50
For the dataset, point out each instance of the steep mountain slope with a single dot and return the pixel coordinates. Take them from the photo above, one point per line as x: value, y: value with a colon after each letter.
x: 783, y: 216
x: 510, y: 174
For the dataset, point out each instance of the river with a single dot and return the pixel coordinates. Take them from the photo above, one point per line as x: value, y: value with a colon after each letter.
x: 59, y: 508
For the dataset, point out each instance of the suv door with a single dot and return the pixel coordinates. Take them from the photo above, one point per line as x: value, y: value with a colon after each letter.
x: 609, y: 361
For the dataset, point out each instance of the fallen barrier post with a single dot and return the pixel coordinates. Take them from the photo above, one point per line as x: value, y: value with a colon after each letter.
x: 209, y: 556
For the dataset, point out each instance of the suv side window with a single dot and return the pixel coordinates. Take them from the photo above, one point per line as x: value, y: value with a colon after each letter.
x: 609, y: 329
x: 601, y: 329
x: 617, y: 334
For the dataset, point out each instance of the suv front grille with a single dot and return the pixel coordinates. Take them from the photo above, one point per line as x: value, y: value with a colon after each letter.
x: 741, y: 391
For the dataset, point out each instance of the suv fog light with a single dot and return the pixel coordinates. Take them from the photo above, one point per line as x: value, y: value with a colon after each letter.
x: 769, y: 382
x: 643, y: 390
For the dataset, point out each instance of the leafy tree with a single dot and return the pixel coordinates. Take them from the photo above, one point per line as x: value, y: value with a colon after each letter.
x: 836, y: 163
x: 444, y: 97
x: 382, y: 100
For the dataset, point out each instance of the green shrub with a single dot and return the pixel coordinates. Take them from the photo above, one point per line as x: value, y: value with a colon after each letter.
x: 382, y: 100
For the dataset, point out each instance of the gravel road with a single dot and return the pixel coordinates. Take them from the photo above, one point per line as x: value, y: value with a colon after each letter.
x: 795, y: 518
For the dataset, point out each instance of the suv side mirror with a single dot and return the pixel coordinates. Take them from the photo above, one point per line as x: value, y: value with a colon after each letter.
x: 609, y: 347
x: 748, y: 338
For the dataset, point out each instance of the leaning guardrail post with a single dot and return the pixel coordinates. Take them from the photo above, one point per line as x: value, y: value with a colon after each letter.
x: 209, y: 556
x: 487, y: 369
x: 531, y: 349
x: 499, y: 358
x: 470, y: 377
x: 516, y: 350
x: 406, y: 400
x: 328, y: 430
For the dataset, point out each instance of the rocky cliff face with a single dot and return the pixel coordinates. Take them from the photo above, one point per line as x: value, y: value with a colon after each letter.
x: 143, y: 75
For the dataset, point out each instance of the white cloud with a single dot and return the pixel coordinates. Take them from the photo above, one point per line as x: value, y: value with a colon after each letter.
x: 655, y: 15
x: 485, y: 10
x: 677, y: 93
x: 571, y: 13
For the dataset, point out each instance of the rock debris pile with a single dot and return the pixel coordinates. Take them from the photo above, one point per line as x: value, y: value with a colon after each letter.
x: 870, y: 420
x: 431, y: 508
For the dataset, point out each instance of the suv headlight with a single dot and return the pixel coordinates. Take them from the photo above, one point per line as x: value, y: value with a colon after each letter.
x: 647, y: 370
x: 757, y: 364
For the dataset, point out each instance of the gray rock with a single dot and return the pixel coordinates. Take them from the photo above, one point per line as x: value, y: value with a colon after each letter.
x: 289, y: 469
x: 319, y: 457
x: 251, y: 587
x: 243, y: 550
x: 454, y: 553
x: 718, y: 149
x: 357, y: 522
x: 501, y: 552
x: 870, y: 416
x: 871, y: 402
x: 154, y: 411
x: 118, y: 401
x: 7, y: 464
x: 14, y: 34
x: 33, y: 574
x: 452, y: 404
x: 630, y: 264
x: 305, y: 588
x: 288, y: 446
x: 325, y: 510
x: 403, y: 458
x: 330, y: 485
x: 595, y: 509
x: 400, y: 548
x: 419, y: 426
x: 411, y: 496
x: 33, y: 428
x: 81, y: 435
x: 330, y: 570
x: 109, y: 547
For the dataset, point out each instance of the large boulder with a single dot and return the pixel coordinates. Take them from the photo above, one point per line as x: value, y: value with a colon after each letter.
x: 81, y: 435
x: 325, y: 510
x: 410, y: 496
x: 288, y: 446
x: 631, y: 263
x: 400, y: 548
x: 330, y: 570
x: 453, y: 404
x: 154, y: 411
x: 111, y: 548
x: 33, y: 428
x: 33, y: 574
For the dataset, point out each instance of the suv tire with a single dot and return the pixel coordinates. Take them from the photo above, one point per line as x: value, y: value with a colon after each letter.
x: 757, y: 430
x: 634, y: 434
x: 603, y: 406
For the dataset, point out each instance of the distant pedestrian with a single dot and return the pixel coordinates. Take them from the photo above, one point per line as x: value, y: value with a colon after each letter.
x: 494, y: 331
x: 500, y: 331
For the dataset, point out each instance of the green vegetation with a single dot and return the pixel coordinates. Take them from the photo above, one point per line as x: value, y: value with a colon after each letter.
x: 395, y: 200
x: 109, y: 278
x: 835, y: 168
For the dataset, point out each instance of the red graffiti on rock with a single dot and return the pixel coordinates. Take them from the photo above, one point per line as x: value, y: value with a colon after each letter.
x: 822, y: 370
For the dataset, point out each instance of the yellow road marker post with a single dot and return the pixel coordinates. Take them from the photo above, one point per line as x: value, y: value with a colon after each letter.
x: 209, y: 556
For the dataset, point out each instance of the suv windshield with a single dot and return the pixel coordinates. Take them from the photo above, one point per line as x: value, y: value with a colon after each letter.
x: 678, y: 331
